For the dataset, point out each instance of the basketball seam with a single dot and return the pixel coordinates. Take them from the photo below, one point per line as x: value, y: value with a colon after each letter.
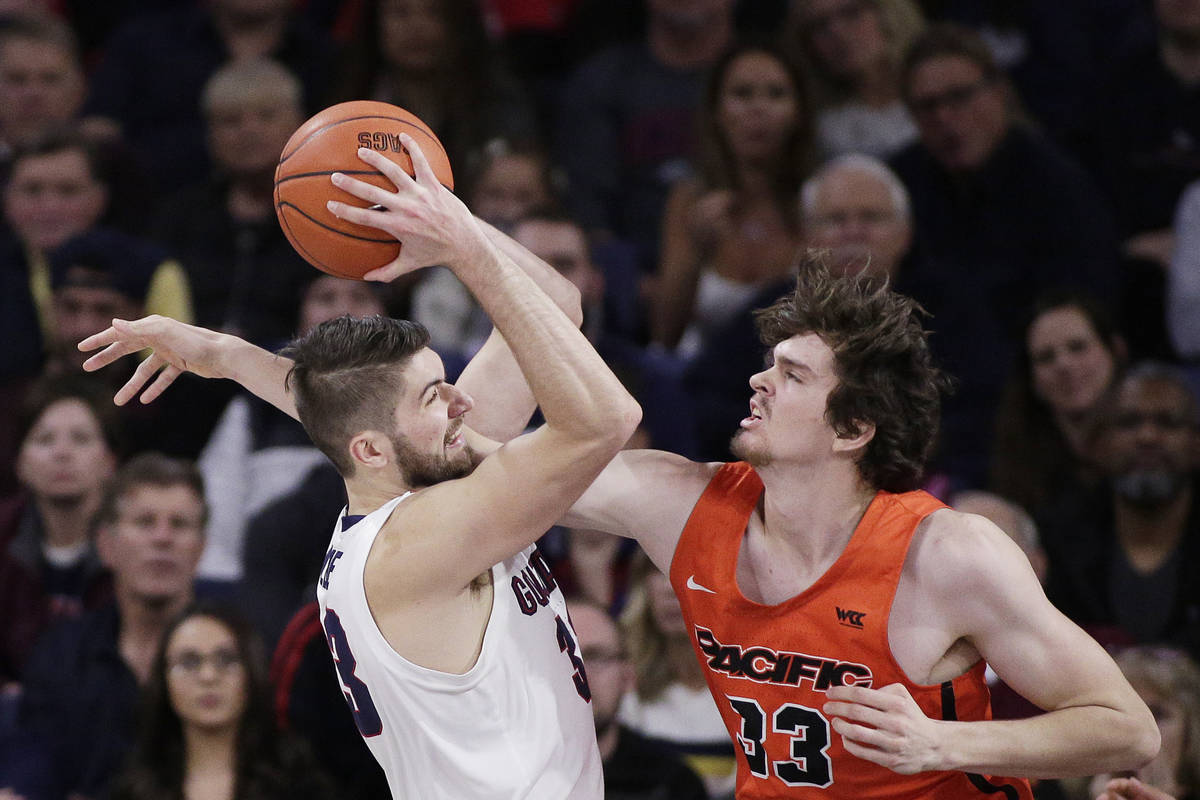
x: 424, y: 130
x: 328, y: 172
x: 308, y: 254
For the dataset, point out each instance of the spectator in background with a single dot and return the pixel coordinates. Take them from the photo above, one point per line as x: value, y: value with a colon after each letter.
x: 853, y: 49
x: 1071, y: 355
x: 83, y: 677
x: 1169, y: 681
x: 1144, y: 131
x: 434, y: 58
x: 244, y: 274
x: 206, y: 727
x: 634, y: 767
x: 563, y: 244
x: 41, y: 79
x: 506, y: 180
x: 257, y: 454
x: 49, y: 568
x: 1183, y: 278
x: 284, y: 547
x: 98, y: 276
x: 1123, y: 557
x: 58, y: 188
x: 732, y: 228
x: 1142, y: 140
x: 999, y: 216
x: 94, y: 277
x: 625, y: 126
x: 858, y: 210
x: 670, y: 704
x: 154, y: 68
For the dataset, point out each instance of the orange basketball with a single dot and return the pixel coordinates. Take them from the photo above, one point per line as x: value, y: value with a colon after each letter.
x: 329, y: 143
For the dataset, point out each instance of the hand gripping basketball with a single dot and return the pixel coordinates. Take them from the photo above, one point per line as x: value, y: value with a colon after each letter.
x: 434, y: 225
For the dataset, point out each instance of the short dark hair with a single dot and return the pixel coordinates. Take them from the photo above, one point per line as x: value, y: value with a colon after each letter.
x: 886, y: 375
x: 151, y: 469
x: 948, y: 40
x: 43, y: 29
x: 61, y: 139
x: 87, y: 389
x: 346, y: 378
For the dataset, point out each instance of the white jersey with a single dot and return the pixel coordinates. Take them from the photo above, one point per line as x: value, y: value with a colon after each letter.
x: 518, y: 724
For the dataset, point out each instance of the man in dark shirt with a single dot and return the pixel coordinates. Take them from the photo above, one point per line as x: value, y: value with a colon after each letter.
x: 1123, y: 560
x: 999, y: 215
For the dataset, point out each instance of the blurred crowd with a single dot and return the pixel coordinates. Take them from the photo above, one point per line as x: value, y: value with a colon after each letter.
x: 1028, y: 171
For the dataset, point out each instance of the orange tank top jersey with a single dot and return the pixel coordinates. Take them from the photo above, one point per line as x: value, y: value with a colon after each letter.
x: 769, y: 666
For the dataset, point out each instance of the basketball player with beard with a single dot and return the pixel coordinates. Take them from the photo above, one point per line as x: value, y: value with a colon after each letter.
x: 451, y: 640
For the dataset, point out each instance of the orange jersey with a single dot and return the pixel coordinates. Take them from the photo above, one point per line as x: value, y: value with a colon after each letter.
x: 769, y: 666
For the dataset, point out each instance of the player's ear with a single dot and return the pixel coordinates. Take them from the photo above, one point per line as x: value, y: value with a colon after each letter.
x: 367, y: 448
x: 860, y: 436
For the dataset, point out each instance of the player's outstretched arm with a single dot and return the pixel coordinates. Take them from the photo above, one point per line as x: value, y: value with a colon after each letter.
x: 177, y: 348
x: 503, y: 400
x: 982, y: 587
x: 450, y: 533
x: 646, y: 495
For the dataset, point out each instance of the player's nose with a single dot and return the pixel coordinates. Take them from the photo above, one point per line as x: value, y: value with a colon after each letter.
x: 460, y: 402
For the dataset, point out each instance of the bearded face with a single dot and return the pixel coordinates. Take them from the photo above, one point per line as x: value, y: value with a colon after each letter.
x: 420, y: 469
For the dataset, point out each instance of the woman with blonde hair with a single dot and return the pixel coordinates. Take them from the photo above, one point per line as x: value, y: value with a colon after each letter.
x: 852, y: 50
x: 1169, y: 681
x: 671, y: 704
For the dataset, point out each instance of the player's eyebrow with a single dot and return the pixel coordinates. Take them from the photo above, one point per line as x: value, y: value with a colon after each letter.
x: 796, y: 366
x: 430, y: 385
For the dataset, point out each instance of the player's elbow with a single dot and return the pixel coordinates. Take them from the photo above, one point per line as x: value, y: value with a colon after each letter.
x: 1135, y: 739
x: 621, y: 418
x: 1144, y: 740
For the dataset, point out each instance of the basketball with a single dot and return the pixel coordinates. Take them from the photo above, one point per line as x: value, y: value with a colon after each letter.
x: 328, y: 143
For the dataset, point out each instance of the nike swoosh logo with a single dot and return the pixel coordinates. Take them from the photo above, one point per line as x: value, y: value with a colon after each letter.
x: 691, y: 584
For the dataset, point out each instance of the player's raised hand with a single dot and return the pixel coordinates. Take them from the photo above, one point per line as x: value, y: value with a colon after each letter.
x: 176, y: 348
x: 886, y: 726
x: 433, y: 225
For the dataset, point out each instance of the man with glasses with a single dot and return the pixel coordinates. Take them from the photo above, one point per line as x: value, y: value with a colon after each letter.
x: 634, y: 768
x: 1123, y: 559
x: 1000, y: 214
x: 82, y: 680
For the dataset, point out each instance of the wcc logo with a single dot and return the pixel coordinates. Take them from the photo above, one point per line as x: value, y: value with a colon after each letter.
x: 851, y: 619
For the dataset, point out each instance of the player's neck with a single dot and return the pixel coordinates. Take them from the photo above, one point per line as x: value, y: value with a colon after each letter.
x: 813, y: 515
x: 367, y: 494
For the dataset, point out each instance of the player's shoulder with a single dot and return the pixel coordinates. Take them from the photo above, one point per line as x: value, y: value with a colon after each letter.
x: 950, y: 546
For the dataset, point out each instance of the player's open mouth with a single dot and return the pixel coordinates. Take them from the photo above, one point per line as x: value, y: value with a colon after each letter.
x: 454, y: 439
x: 755, y: 417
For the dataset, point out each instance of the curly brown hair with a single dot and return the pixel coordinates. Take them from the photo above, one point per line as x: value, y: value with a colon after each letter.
x: 886, y: 375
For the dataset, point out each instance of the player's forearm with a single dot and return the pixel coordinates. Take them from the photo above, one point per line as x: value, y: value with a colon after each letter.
x: 564, y: 293
x: 1084, y: 740
x: 577, y: 392
x: 258, y: 371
